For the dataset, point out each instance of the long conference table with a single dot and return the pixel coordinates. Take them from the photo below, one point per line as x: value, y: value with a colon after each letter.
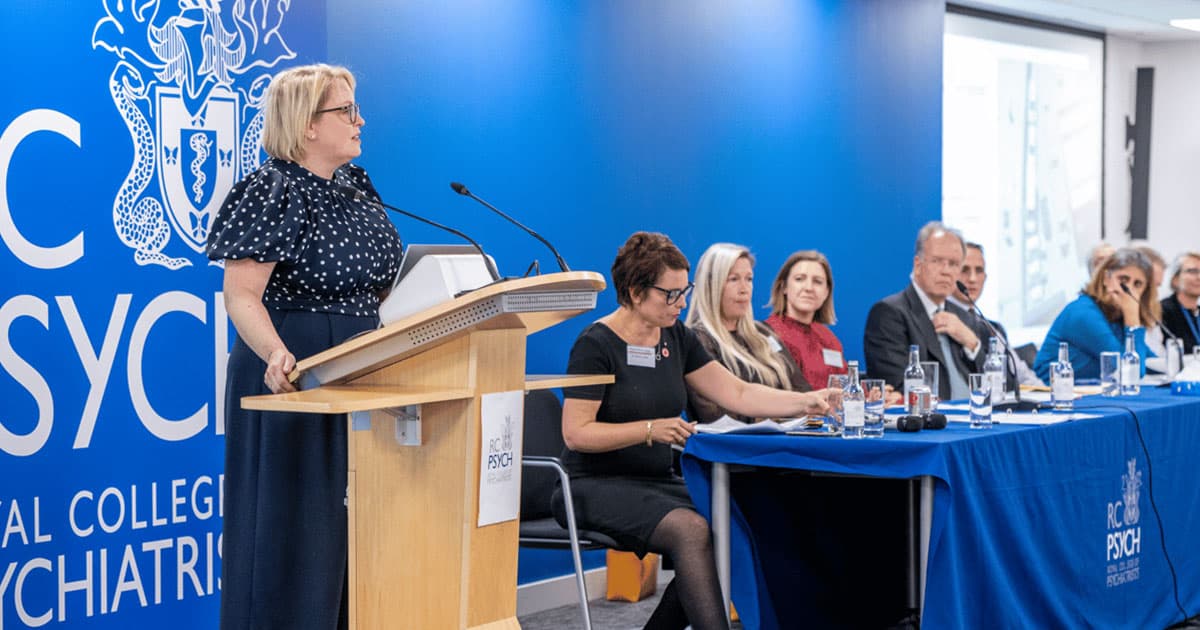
x: 1061, y: 525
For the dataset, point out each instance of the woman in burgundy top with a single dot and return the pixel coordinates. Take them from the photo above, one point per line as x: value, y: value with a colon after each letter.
x: 801, y: 309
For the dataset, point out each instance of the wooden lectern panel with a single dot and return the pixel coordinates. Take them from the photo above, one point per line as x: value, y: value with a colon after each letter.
x: 419, y: 505
x: 417, y: 559
x: 348, y: 398
x: 554, y: 381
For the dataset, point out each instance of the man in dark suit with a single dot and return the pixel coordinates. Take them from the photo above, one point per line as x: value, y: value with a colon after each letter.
x: 973, y: 276
x: 1179, y: 310
x: 921, y: 315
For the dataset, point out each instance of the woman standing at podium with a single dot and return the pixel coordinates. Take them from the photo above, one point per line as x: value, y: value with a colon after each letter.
x: 619, y: 436
x: 304, y: 270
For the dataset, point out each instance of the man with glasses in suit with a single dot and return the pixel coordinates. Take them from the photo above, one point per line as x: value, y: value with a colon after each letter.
x: 922, y: 315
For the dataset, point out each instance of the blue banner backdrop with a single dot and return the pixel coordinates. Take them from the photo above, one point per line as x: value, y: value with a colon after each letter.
x: 778, y: 124
x: 125, y: 125
x: 781, y: 125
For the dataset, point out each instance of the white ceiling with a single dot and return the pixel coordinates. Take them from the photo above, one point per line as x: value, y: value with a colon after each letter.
x: 1142, y: 20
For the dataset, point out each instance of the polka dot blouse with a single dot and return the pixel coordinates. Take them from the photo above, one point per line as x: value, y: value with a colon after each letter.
x: 333, y: 254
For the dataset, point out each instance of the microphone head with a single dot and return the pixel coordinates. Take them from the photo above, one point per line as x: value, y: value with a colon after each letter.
x: 459, y: 188
x: 351, y: 192
x: 962, y: 288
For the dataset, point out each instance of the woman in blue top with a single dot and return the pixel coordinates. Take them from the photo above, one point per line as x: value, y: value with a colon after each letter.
x: 1097, y: 321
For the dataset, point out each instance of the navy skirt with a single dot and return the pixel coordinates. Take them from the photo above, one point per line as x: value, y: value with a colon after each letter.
x: 284, y: 541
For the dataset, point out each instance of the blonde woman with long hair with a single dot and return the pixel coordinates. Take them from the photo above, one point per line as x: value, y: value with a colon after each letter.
x: 722, y: 316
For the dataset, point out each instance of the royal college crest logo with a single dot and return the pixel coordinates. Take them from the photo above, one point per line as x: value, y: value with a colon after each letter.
x: 1123, y: 535
x: 189, y: 82
x: 1131, y: 483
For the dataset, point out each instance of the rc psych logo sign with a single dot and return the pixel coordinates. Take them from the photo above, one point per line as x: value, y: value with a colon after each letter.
x: 188, y: 81
x: 110, y: 432
x: 1123, y: 543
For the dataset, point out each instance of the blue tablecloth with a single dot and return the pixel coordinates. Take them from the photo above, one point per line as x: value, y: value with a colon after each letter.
x: 1033, y: 526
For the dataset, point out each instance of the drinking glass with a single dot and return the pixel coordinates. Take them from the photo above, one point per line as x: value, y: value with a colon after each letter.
x: 981, y: 401
x: 1110, y: 373
x: 931, y: 381
x: 1174, y: 348
x: 875, y: 393
x: 836, y: 413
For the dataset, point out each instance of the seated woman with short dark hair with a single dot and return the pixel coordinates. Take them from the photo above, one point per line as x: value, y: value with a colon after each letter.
x: 619, y: 436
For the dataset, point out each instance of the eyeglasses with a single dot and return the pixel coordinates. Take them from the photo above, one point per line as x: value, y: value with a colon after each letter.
x: 350, y: 110
x: 941, y: 262
x: 673, y: 295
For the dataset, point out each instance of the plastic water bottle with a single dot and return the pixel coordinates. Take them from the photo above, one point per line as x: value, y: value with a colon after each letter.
x: 1062, y: 379
x: 914, y: 378
x: 994, y: 367
x: 854, y: 403
x: 1131, y: 367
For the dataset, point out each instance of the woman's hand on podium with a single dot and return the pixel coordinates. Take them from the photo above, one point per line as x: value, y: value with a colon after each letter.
x: 279, y: 364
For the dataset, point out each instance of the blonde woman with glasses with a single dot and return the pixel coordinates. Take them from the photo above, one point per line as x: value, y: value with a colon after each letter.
x: 281, y: 233
x: 722, y: 316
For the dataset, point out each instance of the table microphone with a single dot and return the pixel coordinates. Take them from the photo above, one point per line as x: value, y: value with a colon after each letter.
x: 1018, y: 404
x: 462, y: 190
x: 1156, y: 322
x: 358, y: 195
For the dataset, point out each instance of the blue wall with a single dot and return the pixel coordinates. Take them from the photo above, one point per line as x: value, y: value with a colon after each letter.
x: 780, y: 125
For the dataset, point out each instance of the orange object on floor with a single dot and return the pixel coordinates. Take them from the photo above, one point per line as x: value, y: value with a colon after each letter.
x: 631, y: 579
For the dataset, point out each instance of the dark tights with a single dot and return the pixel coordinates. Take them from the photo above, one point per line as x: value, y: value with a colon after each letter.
x: 694, y: 596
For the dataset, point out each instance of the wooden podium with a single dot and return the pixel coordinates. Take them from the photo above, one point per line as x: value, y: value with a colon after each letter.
x: 412, y: 393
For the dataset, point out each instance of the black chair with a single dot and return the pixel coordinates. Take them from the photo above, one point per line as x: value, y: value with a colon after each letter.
x: 541, y: 468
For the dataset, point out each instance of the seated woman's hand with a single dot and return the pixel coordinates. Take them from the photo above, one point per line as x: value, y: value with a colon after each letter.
x: 818, y: 403
x: 670, y: 430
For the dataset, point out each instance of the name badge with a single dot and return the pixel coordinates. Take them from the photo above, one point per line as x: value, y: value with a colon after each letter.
x: 832, y: 357
x: 639, y: 356
x: 774, y: 344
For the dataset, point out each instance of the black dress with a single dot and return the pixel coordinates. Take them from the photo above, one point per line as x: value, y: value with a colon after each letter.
x: 625, y: 493
x: 284, y: 541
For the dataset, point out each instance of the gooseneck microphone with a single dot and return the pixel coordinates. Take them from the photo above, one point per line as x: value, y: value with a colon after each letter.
x: 462, y: 190
x: 1018, y: 405
x: 1156, y: 322
x: 358, y: 195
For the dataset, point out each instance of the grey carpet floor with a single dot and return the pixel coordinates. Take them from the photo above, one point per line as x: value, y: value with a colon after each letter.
x: 606, y: 615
